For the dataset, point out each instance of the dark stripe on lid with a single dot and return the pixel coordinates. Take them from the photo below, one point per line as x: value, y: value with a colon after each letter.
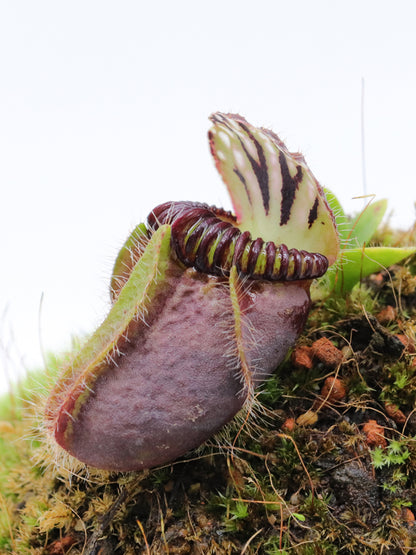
x: 243, y: 181
x: 259, y: 168
x: 313, y: 213
x: 289, y: 186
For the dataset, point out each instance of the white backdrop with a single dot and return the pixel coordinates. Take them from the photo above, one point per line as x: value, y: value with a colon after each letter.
x: 103, y: 115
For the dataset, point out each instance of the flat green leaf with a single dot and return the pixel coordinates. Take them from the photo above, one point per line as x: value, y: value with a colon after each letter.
x: 355, y: 264
x: 367, y: 222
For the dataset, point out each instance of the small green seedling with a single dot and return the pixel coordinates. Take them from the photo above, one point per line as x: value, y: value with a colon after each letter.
x: 395, y: 453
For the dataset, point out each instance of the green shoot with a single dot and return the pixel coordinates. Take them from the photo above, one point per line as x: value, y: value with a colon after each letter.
x: 356, y: 259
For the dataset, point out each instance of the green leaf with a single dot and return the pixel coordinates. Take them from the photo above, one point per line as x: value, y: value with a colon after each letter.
x: 367, y: 222
x: 356, y: 264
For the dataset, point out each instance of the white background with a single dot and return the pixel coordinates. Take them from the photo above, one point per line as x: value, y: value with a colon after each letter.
x: 103, y: 115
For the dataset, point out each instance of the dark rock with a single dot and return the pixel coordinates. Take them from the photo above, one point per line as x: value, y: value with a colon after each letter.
x: 354, y: 486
